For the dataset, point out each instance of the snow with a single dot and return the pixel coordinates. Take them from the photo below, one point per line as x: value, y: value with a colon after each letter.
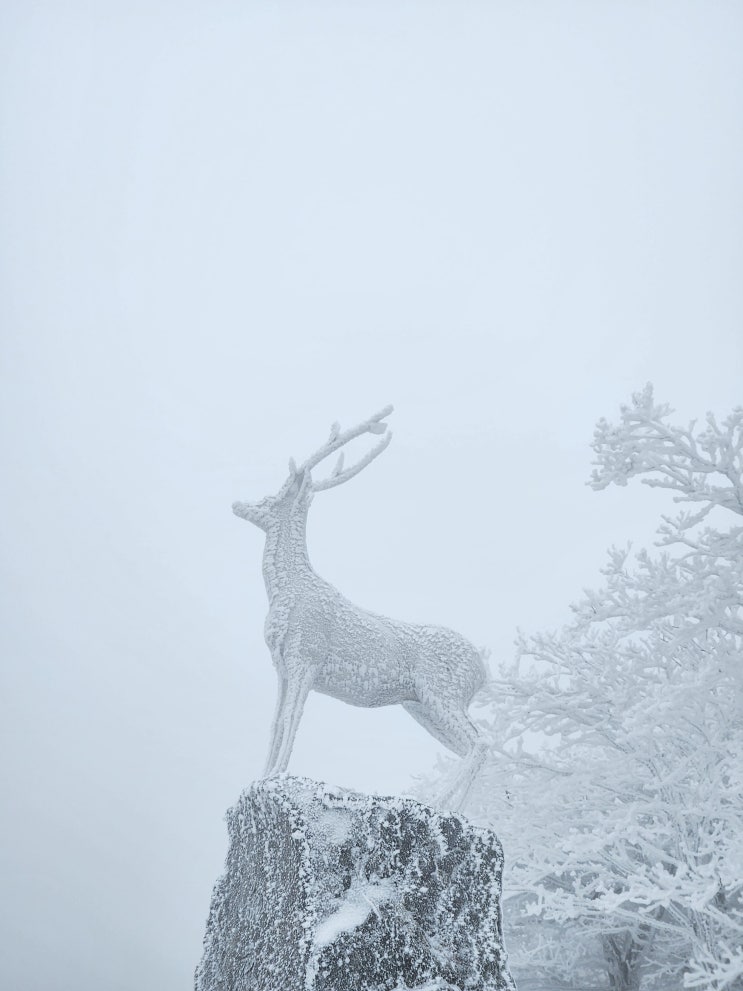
x: 359, y: 902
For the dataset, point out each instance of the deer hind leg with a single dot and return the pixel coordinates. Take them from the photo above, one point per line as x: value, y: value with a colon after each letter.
x: 455, y: 795
x: 436, y: 727
x: 451, y: 725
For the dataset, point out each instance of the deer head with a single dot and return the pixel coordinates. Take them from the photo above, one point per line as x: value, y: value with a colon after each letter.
x: 297, y: 492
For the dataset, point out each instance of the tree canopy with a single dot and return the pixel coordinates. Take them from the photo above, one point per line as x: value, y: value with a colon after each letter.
x: 615, y: 777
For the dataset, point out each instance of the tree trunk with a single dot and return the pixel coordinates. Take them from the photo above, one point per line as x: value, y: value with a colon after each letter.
x: 622, y: 955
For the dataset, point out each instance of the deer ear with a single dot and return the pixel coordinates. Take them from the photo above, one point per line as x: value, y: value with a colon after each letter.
x: 292, y: 467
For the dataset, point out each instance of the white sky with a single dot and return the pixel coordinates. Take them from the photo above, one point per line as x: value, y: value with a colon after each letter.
x: 225, y: 225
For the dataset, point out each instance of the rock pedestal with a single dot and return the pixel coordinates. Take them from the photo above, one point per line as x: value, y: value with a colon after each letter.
x: 331, y: 890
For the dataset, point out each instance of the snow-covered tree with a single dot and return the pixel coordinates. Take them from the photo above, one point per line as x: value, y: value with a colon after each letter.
x: 620, y: 739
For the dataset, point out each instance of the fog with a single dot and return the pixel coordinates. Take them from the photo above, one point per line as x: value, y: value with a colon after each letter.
x: 226, y: 225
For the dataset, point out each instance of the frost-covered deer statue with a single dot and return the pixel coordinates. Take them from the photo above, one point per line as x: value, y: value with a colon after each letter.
x: 319, y: 640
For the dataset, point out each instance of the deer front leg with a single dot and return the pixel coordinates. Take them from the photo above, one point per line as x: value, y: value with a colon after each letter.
x: 298, y: 684
x: 277, y: 726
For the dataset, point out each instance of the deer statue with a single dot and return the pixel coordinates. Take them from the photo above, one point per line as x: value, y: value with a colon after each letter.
x: 319, y: 640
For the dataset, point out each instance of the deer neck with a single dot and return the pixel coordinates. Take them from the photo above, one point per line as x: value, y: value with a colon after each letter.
x: 285, y: 558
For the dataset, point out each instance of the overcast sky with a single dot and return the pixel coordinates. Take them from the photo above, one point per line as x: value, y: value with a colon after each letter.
x: 225, y: 225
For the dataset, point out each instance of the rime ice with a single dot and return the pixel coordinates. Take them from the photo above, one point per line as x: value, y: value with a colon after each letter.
x: 330, y: 890
x: 319, y: 640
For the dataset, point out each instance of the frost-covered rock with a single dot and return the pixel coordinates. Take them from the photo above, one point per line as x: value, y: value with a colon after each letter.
x: 331, y: 890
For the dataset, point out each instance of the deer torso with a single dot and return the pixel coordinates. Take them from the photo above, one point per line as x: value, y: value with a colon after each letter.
x: 352, y: 654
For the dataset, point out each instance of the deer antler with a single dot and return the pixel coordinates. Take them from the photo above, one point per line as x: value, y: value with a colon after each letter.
x: 339, y: 439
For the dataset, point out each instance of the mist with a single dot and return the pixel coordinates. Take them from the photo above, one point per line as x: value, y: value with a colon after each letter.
x: 225, y: 226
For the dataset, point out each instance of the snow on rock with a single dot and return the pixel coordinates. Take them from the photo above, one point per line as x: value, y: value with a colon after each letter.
x: 330, y: 890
